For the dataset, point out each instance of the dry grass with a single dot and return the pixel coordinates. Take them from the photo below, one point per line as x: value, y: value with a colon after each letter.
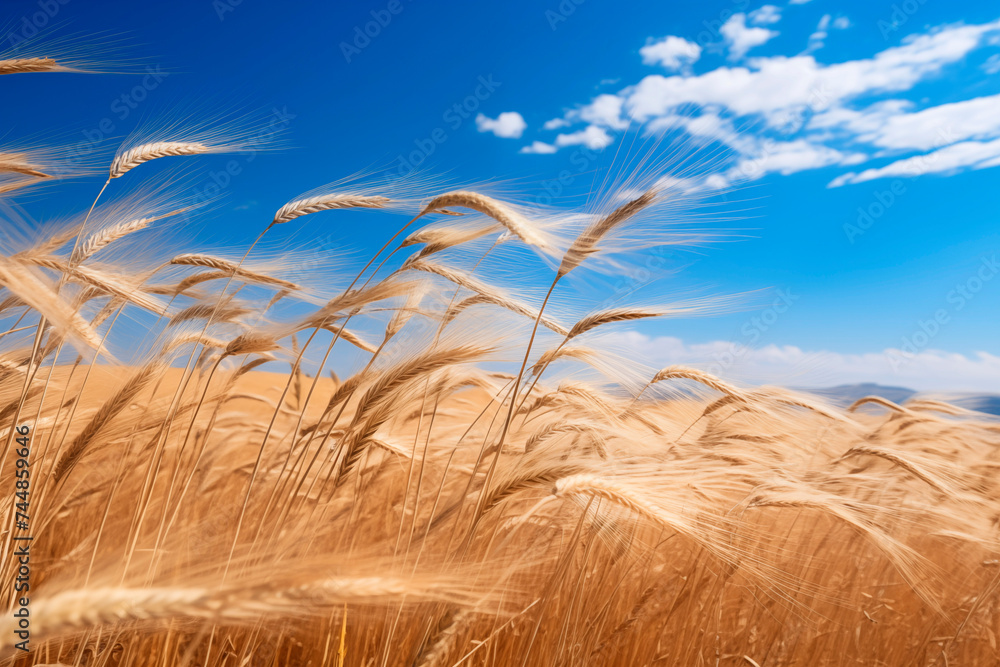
x: 426, y: 509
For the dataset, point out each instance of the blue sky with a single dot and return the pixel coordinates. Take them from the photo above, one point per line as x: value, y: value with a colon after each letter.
x: 862, y: 143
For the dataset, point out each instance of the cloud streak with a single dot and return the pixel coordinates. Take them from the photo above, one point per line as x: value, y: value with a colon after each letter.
x: 926, y: 370
x: 797, y: 113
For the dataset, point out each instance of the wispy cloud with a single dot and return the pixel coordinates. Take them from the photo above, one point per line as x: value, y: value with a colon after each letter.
x: 740, y: 38
x: 539, y: 147
x: 766, y: 15
x: 796, y: 113
x: 960, y: 156
x: 788, y: 365
x: 818, y: 39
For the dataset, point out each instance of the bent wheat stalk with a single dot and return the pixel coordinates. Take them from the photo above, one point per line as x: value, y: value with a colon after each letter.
x: 301, y: 207
x: 233, y: 269
x: 516, y: 224
x: 99, y: 421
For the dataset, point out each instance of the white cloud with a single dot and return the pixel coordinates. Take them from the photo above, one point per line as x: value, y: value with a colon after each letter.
x: 789, y: 157
x: 741, y: 38
x: 509, y: 124
x: 797, y: 2
x: 891, y: 125
x: 818, y: 38
x: 604, y: 110
x: 539, y: 147
x: 966, y: 154
x: 992, y: 64
x: 671, y: 52
x: 927, y: 370
x: 779, y: 84
x: 592, y: 137
x: 786, y: 114
x: 766, y: 15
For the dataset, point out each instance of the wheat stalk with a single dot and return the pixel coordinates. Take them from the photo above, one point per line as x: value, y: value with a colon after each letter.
x: 26, y: 65
x: 309, y: 205
x: 516, y: 224
x: 877, y: 400
x: 110, y: 283
x: 99, y: 240
x: 444, y: 643
x: 707, y: 379
x: 578, y: 352
x: 17, y: 163
x: 133, y: 157
x: 250, y: 343
x: 484, y: 292
x: 232, y: 269
x: 610, y: 316
x: 95, y: 607
x: 198, y: 339
x: 586, y: 243
x: 37, y: 294
x: 217, y: 312
x: 139, y: 381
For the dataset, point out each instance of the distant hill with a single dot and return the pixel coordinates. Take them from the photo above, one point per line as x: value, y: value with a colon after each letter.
x: 988, y: 403
x: 846, y: 394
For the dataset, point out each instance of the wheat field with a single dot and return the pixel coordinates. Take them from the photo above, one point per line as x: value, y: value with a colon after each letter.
x: 490, y: 483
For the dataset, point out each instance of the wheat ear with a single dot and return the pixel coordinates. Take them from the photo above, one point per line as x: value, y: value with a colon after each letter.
x: 26, y: 65
x: 133, y: 157
x: 233, y: 269
x: 586, y: 243
x: 17, y: 163
x: 99, y: 240
x: 301, y: 207
x: 609, y: 316
x: 103, y: 417
x: 707, y: 379
x: 250, y: 343
x: 445, y: 641
x: 516, y: 224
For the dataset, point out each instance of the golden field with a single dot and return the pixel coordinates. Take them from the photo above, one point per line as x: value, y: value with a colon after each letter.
x: 489, y: 483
